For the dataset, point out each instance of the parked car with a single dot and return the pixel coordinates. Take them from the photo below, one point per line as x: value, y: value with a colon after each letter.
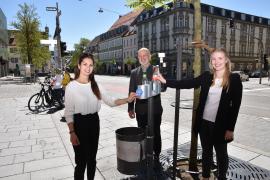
x: 243, y: 76
x: 256, y: 74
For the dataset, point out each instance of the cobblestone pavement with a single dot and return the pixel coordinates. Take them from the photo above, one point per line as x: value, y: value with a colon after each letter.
x: 36, y: 146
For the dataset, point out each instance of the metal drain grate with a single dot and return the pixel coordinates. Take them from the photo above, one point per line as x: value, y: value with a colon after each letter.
x: 241, y: 170
x: 238, y: 169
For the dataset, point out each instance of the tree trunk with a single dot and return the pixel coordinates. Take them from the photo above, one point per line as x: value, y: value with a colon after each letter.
x: 197, y: 72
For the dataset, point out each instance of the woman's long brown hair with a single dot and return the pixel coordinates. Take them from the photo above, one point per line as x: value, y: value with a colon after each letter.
x: 226, y: 76
x: 94, y: 85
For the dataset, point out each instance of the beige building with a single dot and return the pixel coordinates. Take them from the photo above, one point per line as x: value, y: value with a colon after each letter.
x: 130, y: 48
x: 3, y: 45
x: 110, y: 46
x: 159, y: 29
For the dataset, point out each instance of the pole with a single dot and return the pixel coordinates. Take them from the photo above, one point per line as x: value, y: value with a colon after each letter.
x: 149, y: 138
x: 58, y: 37
x: 261, y: 59
x: 177, y: 106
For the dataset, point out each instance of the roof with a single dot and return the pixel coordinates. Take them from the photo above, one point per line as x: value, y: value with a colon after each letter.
x: 129, y: 33
x: 126, y: 19
x: 95, y: 41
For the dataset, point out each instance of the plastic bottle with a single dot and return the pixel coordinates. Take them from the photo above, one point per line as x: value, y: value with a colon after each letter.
x: 155, y: 73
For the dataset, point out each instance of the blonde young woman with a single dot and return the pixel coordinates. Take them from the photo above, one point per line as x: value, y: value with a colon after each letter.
x: 83, y: 101
x: 216, y: 114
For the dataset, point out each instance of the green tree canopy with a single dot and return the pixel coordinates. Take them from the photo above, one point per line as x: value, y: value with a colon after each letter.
x: 79, y: 48
x: 28, y: 36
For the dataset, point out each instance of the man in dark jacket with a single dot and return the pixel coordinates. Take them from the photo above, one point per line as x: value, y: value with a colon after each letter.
x: 141, y: 107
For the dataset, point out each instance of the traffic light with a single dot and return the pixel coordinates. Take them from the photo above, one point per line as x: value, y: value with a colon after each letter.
x: 265, y: 62
x: 63, y: 48
x: 231, y: 23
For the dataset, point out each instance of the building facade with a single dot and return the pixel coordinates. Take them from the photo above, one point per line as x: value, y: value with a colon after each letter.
x: 160, y: 29
x: 3, y: 45
x: 15, y: 62
x: 130, y: 48
x: 110, y: 47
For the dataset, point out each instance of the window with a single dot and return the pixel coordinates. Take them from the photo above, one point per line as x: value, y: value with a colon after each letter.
x: 186, y: 20
x: 14, y: 60
x: 180, y: 22
x: 252, y: 18
x: 13, y: 50
x: 243, y: 17
x: 232, y: 14
x: 154, y: 28
x: 211, y: 9
x: 223, y: 12
x: 146, y: 31
x: 164, y: 23
x: 223, y: 27
x: 153, y: 45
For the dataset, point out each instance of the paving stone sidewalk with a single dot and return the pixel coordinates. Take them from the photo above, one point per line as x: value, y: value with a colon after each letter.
x: 36, y: 146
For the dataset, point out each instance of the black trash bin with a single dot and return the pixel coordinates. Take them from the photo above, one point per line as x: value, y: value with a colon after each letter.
x: 130, y: 150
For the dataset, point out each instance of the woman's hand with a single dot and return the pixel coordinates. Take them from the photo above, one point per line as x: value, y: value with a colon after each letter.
x: 161, y: 78
x: 229, y: 135
x: 131, y: 97
x: 74, y: 139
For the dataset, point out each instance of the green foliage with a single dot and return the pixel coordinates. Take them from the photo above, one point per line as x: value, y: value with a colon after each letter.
x: 79, y: 49
x: 146, y: 4
x: 154, y: 59
x: 130, y: 61
x: 28, y: 36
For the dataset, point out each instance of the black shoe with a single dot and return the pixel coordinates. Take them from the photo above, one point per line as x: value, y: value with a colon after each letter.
x: 63, y: 119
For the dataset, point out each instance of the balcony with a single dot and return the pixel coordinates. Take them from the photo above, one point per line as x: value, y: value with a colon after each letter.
x: 181, y: 30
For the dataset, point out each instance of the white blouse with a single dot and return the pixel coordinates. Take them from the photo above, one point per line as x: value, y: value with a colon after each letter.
x: 79, y: 98
x: 212, y: 102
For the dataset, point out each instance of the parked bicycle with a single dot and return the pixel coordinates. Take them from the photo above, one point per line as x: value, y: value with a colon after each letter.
x: 44, y: 98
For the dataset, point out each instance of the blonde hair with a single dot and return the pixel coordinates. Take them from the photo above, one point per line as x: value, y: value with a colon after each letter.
x: 226, y: 75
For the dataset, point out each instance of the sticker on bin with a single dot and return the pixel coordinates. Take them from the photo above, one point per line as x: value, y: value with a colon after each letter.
x: 139, y: 91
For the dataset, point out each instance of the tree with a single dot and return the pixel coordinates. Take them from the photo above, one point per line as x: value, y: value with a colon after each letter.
x: 28, y: 36
x: 149, y: 4
x: 154, y: 59
x: 129, y: 61
x: 79, y: 48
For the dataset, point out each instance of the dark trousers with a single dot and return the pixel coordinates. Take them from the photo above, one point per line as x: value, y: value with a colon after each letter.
x: 142, y: 123
x: 58, y: 96
x: 207, y: 142
x: 87, y: 129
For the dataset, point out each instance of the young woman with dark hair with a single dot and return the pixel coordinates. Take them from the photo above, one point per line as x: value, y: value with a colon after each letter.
x: 216, y: 114
x: 83, y: 101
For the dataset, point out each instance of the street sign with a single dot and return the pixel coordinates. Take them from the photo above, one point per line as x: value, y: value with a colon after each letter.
x: 48, y: 41
x: 51, y: 9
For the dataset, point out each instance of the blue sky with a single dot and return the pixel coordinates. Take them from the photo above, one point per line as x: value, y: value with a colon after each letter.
x: 80, y: 18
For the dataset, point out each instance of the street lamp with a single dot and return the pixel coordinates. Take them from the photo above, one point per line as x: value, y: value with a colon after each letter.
x: 101, y: 10
x: 57, y: 33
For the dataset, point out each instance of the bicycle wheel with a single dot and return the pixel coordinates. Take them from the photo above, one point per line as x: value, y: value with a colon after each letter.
x: 35, y: 102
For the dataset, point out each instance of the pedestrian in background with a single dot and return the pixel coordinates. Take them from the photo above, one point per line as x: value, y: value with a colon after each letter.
x: 57, y: 90
x: 216, y: 114
x: 145, y: 72
x: 66, y: 79
x: 83, y: 102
